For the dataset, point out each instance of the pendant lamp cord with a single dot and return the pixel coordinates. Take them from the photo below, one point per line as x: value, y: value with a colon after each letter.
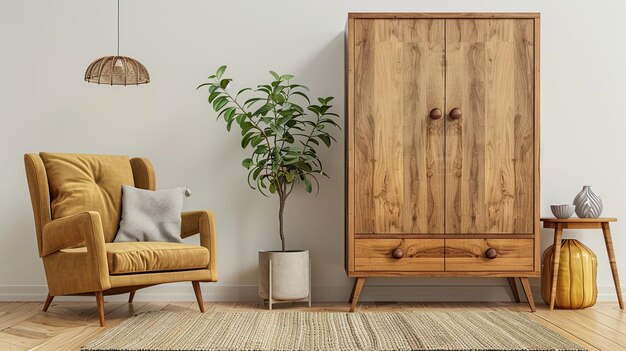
x: 118, y: 27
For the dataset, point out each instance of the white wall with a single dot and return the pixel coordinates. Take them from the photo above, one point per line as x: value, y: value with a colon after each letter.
x: 45, y: 105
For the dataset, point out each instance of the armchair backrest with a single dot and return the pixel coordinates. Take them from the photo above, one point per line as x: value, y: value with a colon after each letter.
x: 65, y: 184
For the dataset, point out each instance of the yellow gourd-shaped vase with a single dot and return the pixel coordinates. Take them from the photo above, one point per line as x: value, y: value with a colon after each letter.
x: 576, y: 285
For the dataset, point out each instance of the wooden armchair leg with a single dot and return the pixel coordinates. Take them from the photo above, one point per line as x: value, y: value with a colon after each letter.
x: 100, y: 303
x: 131, y: 296
x: 196, y: 289
x: 47, y: 303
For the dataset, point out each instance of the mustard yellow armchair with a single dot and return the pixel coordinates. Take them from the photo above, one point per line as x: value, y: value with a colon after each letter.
x: 77, y: 203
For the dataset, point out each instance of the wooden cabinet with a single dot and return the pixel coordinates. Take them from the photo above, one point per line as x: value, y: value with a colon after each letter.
x: 442, y: 145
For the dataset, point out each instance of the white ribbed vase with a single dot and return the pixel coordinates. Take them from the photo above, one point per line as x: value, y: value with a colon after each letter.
x: 588, y: 203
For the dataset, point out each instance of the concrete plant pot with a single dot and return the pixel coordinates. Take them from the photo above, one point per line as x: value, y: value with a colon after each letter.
x: 284, y: 276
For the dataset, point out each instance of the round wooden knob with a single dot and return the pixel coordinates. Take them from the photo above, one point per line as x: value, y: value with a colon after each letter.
x: 491, y: 253
x: 397, y: 253
x: 436, y: 113
x: 456, y: 113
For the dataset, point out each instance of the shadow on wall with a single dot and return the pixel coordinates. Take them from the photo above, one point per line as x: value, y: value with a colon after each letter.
x: 317, y: 223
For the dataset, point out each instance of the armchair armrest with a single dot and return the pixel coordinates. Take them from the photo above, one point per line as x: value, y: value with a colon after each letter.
x: 78, y: 229
x: 203, y: 223
x: 84, y: 227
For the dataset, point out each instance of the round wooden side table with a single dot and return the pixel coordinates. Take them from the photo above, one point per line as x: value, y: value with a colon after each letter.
x: 558, y: 224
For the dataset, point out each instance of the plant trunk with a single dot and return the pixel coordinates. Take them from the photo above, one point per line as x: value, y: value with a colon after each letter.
x: 282, y: 198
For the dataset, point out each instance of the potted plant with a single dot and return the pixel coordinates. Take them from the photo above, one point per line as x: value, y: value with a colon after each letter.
x: 282, y: 128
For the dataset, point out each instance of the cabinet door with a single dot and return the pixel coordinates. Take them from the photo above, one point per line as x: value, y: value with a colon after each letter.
x: 399, y: 79
x: 490, y: 170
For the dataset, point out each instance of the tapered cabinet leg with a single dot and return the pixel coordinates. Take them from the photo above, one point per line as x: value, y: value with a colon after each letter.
x: 608, y: 241
x: 528, y: 293
x: 47, y: 303
x: 131, y: 296
x: 356, y: 292
x: 558, y: 235
x: 100, y: 303
x: 198, y: 292
x: 514, y: 289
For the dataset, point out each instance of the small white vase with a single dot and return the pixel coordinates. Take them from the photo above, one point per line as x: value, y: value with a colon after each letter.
x: 588, y: 203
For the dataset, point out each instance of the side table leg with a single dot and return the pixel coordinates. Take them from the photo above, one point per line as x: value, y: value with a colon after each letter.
x: 606, y: 230
x: 558, y: 234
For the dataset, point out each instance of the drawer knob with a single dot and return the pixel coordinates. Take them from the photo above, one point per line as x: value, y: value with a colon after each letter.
x: 491, y: 253
x: 456, y: 113
x: 397, y: 253
x: 436, y: 113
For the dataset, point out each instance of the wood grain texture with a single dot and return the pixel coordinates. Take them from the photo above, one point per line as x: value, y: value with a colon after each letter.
x: 578, y: 220
x: 100, y: 305
x: 528, y: 293
x: 558, y: 235
x: 490, y: 165
x: 514, y: 289
x: 419, y: 255
x: 608, y: 241
x: 399, y: 167
x: 442, y: 15
x: 349, y: 130
x: 46, y: 304
x: 469, y: 255
x: 537, y: 102
x: 356, y: 293
x: 198, y: 292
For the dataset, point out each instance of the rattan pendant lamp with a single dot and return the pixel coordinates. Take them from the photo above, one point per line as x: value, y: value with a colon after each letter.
x: 117, y: 70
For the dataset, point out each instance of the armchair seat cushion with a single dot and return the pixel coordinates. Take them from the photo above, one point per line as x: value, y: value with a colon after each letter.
x: 142, y: 257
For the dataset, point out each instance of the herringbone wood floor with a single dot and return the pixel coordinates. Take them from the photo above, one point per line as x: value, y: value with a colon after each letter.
x: 69, y: 325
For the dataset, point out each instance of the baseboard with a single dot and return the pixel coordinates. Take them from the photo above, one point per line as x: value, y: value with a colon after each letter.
x: 331, y: 293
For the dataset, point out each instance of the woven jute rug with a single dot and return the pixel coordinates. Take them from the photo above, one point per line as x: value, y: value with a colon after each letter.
x: 286, y: 331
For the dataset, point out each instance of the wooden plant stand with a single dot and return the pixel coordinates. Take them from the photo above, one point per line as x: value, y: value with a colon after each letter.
x: 558, y: 224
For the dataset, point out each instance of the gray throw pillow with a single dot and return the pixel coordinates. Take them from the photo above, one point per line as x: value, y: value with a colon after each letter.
x: 151, y: 215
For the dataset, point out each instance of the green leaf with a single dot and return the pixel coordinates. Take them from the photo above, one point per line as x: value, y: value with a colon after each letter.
x: 246, y: 163
x: 296, y: 86
x: 303, y: 95
x: 219, y: 102
x: 251, y: 101
x: 229, y: 113
x: 275, y: 75
x: 278, y: 98
x: 307, y: 185
x: 286, y: 77
x: 261, y: 149
x: 245, y: 127
x: 246, y: 140
x: 241, y: 91
x: 203, y: 85
x: 224, y: 83
x: 263, y: 110
x: 213, y: 95
x: 256, y: 173
x: 220, y: 72
x: 325, y: 101
x: 256, y: 140
x: 325, y: 138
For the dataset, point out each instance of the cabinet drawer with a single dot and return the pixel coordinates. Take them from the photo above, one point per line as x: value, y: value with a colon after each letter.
x: 471, y: 255
x: 416, y: 254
